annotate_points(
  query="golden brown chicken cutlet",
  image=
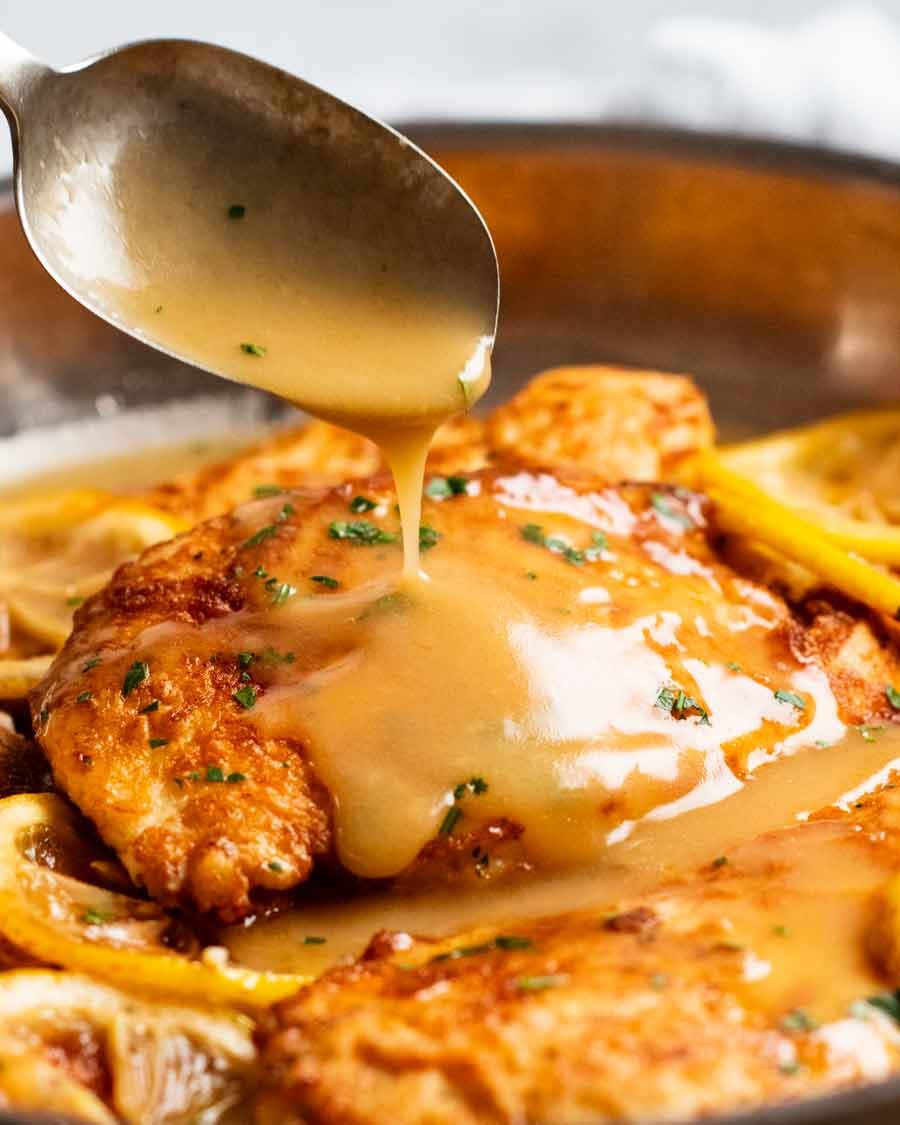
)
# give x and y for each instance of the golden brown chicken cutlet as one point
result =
(147, 714)
(746, 983)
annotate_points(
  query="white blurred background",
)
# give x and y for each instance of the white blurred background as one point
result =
(802, 69)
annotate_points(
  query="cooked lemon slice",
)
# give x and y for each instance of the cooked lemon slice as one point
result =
(50, 909)
(842, 474)
(167, 1063)
(18, 677)
(750, 512)
(57, 550)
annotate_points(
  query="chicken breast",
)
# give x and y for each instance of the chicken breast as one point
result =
(615, 423)
(147, 722)
(715, 994)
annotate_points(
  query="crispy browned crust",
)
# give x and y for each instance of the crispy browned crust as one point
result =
(614, 422)
(645, 1013)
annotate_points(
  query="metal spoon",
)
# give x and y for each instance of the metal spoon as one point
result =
(121, 159)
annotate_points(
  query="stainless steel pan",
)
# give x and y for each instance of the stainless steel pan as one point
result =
(770, 272)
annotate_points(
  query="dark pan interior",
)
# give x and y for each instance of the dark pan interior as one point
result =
(770, 272)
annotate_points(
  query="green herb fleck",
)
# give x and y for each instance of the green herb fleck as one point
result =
(236, 211)
(887, 1002)
(798, 1020)
(313, 939)
(659, 981)
(362, 504)
(533, 533)
(236, 778)
(253, 349)
(789, 1066)
(92, 663)
(781, 931)
(893, 696)
(84, 696)
(868, 732)
(271, 655)
(733, 666)
(244, 659)
(94, 917)
(540, 984)
(261, 490)
(260, 536)
(720, 861)
(428, 537)
(511, 941)
(135, 676)
(452, 817)
(662, 506)
(74, 600)
(150, 708)
(791, 697)
(680, 706)
(282, 592)
(215, 773)
(530, 575)
(155, 743)
(359, 531)
(274, 865)
(325, 580)
(245, 696)
(442, 488)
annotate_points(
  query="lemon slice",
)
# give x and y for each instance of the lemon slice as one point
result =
(841, 474)
(18, 677)
(167, 1063)
(57, 550)
(50, 909)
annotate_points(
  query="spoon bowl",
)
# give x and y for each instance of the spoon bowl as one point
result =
(188, 193)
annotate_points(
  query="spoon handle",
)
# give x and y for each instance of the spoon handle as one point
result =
(18, 72)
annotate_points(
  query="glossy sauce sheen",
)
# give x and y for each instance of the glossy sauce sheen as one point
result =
(544, 678)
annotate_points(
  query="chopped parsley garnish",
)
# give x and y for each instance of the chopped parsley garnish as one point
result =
(887, 1002)
(662, 506)
(313, 939)
(235, 778)
(155, 743)
(893, 696)
(84, 696)
(452, 817)
(733, 666)
(798, 1020)
(244, 659)
(442, 488)
(789, 1066)
(44, 716)
(720, 861)
(428, 537)
(92, 663)
(360, 531)
(539, 984)
(534, 533)
(325, 580)
(236, 211)
(94, 917)
(476, 785)
(214, 773)
(261, 536)
(135, 676)
(868, 732)
(781, 931)
(150, 708)
(253, 349)
(271, 655)
(267, 490)
(361, 504)
(274, 865)
(680, 706)
(245, 696)
(510, 941)
(530, 575)
(791, 697)
(281, 592)
(74, 600)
